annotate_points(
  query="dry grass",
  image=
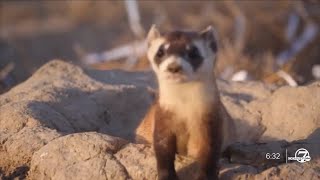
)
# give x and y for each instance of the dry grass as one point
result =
(31, 33)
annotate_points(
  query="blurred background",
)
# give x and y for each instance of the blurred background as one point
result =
(277, 42)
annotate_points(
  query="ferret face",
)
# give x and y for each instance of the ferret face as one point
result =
(180, 56)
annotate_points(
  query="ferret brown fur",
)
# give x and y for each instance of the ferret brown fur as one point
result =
(188, 116)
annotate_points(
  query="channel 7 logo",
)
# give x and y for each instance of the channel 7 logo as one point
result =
(302, 155)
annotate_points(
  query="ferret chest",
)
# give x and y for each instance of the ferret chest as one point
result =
(190, 106)
(188, 102)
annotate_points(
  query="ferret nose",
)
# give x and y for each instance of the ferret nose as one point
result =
(174, 68)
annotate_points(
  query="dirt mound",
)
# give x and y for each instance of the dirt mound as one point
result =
(46, 124)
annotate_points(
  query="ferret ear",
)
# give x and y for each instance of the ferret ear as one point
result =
(153, 34)
(209, 35)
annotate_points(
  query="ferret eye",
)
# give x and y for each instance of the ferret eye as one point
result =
(193, 53)
(160, 52)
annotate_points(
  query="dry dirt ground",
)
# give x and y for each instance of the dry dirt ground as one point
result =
(65, 122)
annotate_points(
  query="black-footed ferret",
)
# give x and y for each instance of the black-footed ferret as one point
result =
(188, 116)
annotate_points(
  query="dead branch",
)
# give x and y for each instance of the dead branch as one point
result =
(292, 27)
(6, 71)
(299, 43)
(130, 51)
(134, 18)
(239, 25)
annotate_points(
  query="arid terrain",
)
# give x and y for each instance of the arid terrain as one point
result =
(64, 118)
(65, 122)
